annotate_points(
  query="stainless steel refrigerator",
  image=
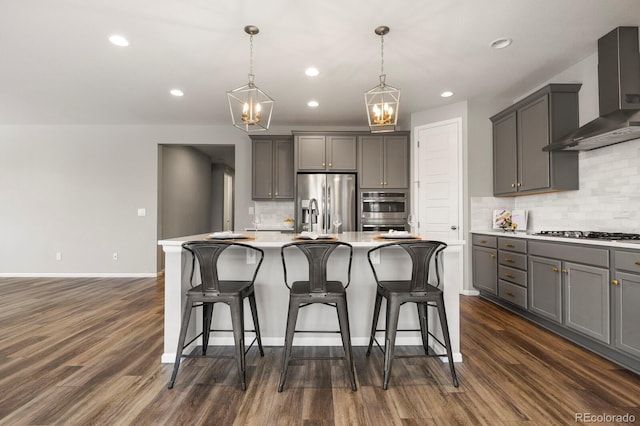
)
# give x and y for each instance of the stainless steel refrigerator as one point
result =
(321, 198)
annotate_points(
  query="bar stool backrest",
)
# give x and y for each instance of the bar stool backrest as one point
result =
(422, 253)
(207, 253)
(317, 254)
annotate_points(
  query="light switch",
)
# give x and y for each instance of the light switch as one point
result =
(142, 212)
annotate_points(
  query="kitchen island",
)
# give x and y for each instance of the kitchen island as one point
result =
(273, 296)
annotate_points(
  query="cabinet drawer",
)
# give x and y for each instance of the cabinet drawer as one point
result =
(627, 260)
(485, 241)
(512, 293)
(515, 276)
(513, 260)
(513, 244)
(571, 252)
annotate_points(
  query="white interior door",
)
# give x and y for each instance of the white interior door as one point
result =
(438, 204)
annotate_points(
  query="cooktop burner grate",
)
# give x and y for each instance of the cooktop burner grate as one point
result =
(592, 235)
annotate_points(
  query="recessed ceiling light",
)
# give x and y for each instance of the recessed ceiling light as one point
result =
(176, 92)
(312, 72)
(446, 94)
(119, 40)
(500, 43)
(313, 104)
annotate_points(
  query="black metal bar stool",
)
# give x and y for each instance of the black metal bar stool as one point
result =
(213, 290)
(313, 291)
(425, 256)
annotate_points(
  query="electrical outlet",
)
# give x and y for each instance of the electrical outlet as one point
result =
(58, 256)
(115, 256)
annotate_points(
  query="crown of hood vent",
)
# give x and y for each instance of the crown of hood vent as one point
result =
(618, 92)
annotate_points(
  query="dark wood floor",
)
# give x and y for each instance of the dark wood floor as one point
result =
(87, 351)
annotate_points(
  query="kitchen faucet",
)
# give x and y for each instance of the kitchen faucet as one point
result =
(313, 213)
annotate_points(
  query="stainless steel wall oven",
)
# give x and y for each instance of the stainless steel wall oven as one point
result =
(383, 211)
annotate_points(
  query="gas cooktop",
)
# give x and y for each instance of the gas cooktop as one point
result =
(593, 235)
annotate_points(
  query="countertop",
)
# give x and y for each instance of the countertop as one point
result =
(277, 239)
(584, 241)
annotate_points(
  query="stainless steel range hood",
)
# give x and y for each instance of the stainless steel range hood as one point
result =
(619, 95)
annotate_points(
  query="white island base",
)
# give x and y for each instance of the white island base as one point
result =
(273, 296)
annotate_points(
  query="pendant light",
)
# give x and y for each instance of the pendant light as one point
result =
(250, 107)
(382, 101)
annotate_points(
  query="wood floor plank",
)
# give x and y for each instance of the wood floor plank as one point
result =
(87, 351)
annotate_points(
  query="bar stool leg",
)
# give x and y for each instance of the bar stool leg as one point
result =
(256, 324)
(237, 322)
(374, 322)
(393, 311)
(288, 341)
(343, 320)
(447, 340)
(207, 315)
(424, 325)
(186, 315)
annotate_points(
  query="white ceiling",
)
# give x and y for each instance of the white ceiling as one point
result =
(57, 66)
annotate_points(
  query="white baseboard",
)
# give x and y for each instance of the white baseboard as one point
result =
(470, 293)
(79, 274)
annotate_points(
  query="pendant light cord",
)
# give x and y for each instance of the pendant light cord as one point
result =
(381, 54)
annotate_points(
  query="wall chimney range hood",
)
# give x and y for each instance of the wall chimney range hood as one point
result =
(618, 92)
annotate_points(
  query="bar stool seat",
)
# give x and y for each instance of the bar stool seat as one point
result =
(213, 290)
(317, 290)
(425, 257)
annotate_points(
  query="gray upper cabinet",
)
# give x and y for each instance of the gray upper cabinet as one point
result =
(522, 130)
(272, 171)
(326, 153)
(384, 161)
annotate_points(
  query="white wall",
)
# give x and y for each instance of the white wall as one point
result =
(77, 189)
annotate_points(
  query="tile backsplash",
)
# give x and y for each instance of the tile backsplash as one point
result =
(608, 198)
(274, 212)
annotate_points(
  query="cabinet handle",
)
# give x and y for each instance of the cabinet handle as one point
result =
(510, 260)
(269, 194)
(513, 185)
(382, 183)
(484, 241)
(493, 256)
(519, 184)
(323, 164)
(555, 269)
(509, 245)
(564, 271)
(508, 293)
(614, 282)
(638, 262)
(509, 275)
(276, 194)
(329, 164)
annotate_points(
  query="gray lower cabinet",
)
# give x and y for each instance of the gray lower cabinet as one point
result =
(485, 263)
(384, 161)
(522, 130)
(272, 167)
(331, 153)
(570, 285)
(626, 301)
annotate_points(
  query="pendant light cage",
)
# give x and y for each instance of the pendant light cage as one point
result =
(383, 101)
(250, 107)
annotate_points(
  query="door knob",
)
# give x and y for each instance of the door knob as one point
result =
(453, 227)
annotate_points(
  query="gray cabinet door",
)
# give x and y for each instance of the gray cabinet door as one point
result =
(262, 169)
(626, 308)
(341, 153)
(311, 153)
(505, 174)
(396, 162)
(283, 174)
(371, 162)
(586, 302)
(485, 269)
(545, 288)
(533, 135)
